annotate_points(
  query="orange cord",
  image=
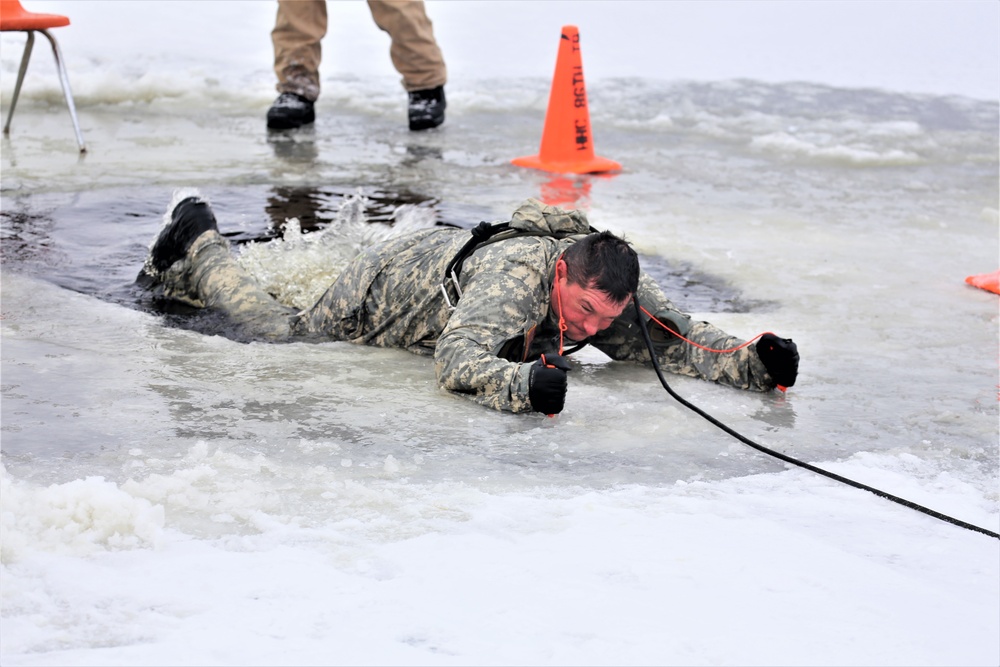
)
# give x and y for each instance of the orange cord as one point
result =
(702, 347)
(563, 327)
(562, 322)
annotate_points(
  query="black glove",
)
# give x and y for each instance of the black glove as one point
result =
(780, 357)
(547, 384)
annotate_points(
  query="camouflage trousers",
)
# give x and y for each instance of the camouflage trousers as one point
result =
(209, 276)
(361, 306)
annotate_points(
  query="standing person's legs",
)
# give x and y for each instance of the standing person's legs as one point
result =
(416, 56)
(299, 28)
(414, 51)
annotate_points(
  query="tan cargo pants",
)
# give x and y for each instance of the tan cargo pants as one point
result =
(301, 25)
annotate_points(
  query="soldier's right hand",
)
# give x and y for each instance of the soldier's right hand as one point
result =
(547, 384)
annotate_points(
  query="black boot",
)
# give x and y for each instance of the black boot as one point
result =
(290, 111)
(191, 218)
(427, 108)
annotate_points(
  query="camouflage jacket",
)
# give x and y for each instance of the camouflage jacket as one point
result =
(391, 296)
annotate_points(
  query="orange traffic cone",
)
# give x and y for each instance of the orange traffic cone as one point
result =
(567, 143)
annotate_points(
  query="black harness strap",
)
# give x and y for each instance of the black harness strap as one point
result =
(481, 233)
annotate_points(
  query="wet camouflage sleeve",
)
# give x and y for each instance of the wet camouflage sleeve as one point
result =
(390, 296)
(506, 289)
(624, 341)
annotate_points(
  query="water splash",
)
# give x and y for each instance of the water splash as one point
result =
(299, 267)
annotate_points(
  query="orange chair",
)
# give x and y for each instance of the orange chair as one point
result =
(14, 17)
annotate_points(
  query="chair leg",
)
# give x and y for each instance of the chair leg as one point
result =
(20, 79)
(64, 80)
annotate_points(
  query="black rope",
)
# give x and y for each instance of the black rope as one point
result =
(788, 459)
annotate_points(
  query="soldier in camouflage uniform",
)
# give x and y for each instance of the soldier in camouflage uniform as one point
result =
(510, 297)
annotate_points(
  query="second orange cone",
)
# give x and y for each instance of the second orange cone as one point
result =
(567, 143)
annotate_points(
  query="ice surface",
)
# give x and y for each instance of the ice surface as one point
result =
(827, 171)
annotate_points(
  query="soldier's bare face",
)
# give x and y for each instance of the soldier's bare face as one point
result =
(585, 310)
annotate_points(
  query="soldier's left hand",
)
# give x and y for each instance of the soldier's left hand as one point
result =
(780, 357)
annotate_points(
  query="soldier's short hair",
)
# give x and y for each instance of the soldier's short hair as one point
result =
(604, 262)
